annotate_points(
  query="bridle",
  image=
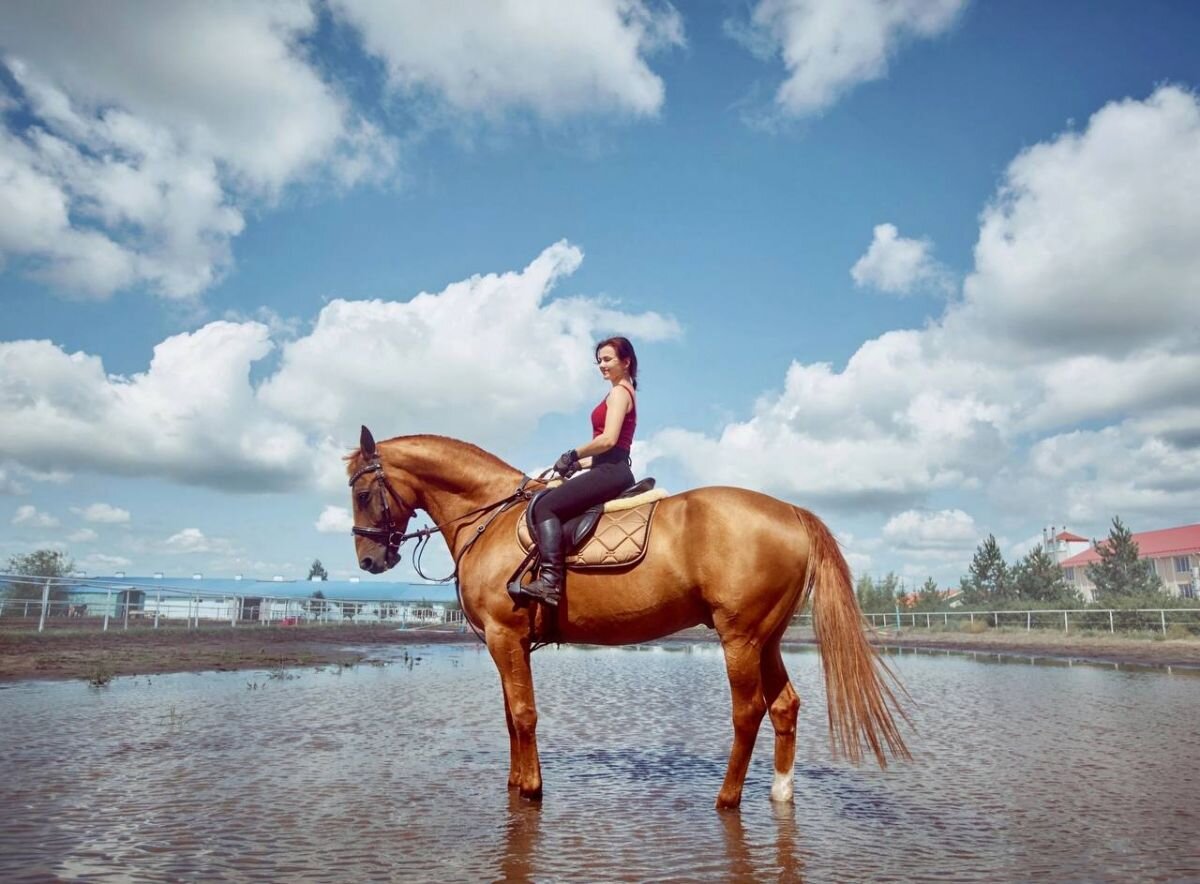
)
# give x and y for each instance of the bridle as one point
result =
(391, 537)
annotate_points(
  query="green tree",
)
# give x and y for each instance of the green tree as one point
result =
(929, 592)
(1038, 578)
(877, 597)
(989, 580)
(40, 563)
(1120, 572)
(864, 591)
(317, 570)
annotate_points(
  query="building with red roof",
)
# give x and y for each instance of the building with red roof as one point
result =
(1174, 552)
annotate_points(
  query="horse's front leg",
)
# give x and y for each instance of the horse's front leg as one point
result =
(510, 652)
(514, 756)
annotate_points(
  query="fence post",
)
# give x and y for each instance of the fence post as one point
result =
(107, 609)
(126, 594)
(45, 604)
(972, 616)
(1028, 620)
(1111, 628)
(157, 608)
(996, 618)
(1066, 625)
(1163, 615)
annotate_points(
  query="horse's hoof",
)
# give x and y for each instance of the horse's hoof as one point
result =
(724, 803)
(531, 794)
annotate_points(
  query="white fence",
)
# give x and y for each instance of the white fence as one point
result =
(98, 603)
(1109, 620)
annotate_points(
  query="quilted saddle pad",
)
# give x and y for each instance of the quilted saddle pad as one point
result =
(620, 539)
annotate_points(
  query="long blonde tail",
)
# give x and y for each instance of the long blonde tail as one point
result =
(860, 698)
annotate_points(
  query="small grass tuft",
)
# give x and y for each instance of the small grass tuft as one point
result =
(101, 675)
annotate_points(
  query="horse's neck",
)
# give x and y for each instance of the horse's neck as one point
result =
(453, 478)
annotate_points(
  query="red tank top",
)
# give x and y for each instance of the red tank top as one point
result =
(600, 415)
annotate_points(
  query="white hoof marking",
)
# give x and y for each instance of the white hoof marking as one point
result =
(782, 787)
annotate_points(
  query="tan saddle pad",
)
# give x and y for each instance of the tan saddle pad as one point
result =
(620, 538)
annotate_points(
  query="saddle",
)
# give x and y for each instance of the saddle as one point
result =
(606, 535)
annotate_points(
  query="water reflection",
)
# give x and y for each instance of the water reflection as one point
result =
(398, 773)
(522, 832)
(781, 857)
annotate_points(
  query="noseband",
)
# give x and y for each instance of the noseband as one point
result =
(390, 534)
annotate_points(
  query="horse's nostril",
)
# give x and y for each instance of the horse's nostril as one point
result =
(366, 563)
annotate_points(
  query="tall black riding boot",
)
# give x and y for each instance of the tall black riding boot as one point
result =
(548, 586)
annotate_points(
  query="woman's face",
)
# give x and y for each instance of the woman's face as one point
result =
(612, 368)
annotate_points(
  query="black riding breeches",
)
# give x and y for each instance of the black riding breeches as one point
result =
(601, 483)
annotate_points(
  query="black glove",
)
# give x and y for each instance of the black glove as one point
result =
(568, 464)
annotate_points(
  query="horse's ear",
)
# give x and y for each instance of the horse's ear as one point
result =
(367, 443)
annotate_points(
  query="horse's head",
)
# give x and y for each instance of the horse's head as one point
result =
(380, 505)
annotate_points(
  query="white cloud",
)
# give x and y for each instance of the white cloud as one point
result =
(1089, 245)
(903, 418)
(30, 516)
(103, 513)
(435, 360)
(334, 520)
(195, 417)
(100, 563)
(193, 540)
(83, 535)
(898, 265)
(135, 164)
(555, 59)
(1118, 470)
(923, 530)
(830, 46)
(1083, 306)
(192, 416)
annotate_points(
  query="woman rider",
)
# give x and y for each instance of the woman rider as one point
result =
(605, 459)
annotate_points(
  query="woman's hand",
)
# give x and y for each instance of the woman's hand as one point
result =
(567, 464)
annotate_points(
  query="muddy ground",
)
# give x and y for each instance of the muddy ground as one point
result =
(89, 654)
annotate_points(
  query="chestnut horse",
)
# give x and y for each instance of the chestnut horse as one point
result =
(737, 561)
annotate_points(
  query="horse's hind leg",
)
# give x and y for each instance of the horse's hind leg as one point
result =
(742, 661)
(784, 706)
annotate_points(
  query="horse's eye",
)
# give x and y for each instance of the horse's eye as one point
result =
(363, 496)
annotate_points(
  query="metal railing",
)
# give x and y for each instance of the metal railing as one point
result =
(125, 605)
(1111, 620)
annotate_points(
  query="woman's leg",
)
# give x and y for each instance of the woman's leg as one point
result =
(601, 483)
(589, 488)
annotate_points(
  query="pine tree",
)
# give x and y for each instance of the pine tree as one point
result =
(1120, 572)
(989, 579)
(1038, 578)
(318, 570)
(929, 591)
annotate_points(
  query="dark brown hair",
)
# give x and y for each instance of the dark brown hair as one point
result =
(624, 351)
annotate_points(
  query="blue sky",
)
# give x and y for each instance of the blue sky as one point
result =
(927, 268)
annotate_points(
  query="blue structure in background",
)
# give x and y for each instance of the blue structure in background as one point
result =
(300, 589)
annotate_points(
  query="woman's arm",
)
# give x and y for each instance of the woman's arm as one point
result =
(619, 402)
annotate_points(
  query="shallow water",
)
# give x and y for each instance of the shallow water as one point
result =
(1023, 772)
